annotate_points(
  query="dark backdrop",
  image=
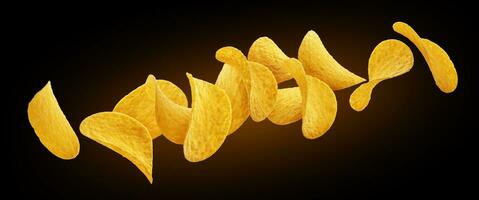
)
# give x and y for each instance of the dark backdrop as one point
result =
(409, 141)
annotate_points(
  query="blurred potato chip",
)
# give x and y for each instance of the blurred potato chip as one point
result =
(319, 104)
(318, 63)
(210, 120)
(389, 59)
(141, 102)
(51, 126)
(287, 108)
(259, 81)
(440, 64)
(266, 52)
(231, 81)
(124, 135)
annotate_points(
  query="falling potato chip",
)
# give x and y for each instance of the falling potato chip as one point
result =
(141, 102)
(51, 125)
(319, 63)
(266, 52)
(259, 81)
(288, 107)
(210, 120)
(440, 64)
(319, 104)
(124, 135)
(390, 58)
(230, 80)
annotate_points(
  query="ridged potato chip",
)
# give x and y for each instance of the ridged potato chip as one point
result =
(210, 120)
(141, 102)
(259, 81)
(51, 126)
(230, 80)
(124, 135)
(288, 107)
(440, 64)
(389, 59)
(319, 104)
(319, 63)
(266, 52)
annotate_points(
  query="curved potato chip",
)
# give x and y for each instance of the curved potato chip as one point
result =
(287, 108)
(266, 52)
(210, 120)
(51, 126)
(172, 119)
(141, 102)
(260, 83)
(230, 80)
(319, 104)
(124, 135)
(440, 64)
(319, 63)
(389, 59)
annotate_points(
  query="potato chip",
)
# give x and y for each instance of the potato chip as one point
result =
(230, 80)
(259, 81)
(389, 59)
(51, 125)
(266, 52)
(141, 102)
(319, 63)
(440, 64)
(124, 135)
(210, 120)
(288, 107)
(319, 104)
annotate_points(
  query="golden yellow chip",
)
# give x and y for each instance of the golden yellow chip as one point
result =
(319, 104)
(319, 63)
(51, 125)
(266, 52)
(389, 59)
(259, 81)
(210, 120)
(141, 102)
(288, 107)
(440, 64)
(124, 135)
(230, 80)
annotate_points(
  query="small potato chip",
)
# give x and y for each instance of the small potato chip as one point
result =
(51, 125)
(230, 80)
(440, 64)
(319, 104)
(172, 119)
(266, 52)
(319, 63)
(210, 120)
(141, 102)
(288, 107)
(259, 82)
(389, 59)
(124, 135)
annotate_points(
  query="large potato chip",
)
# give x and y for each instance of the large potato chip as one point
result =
(210, 120)
(288, 107)
(389, 59)
(51, 125)
(230, 80)
(266, 52)
(319, 104)
(259, 81)
(440, 64)
(319, 63)
(141, 102)
(124, 135)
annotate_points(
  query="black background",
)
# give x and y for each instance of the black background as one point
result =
(411, 140)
